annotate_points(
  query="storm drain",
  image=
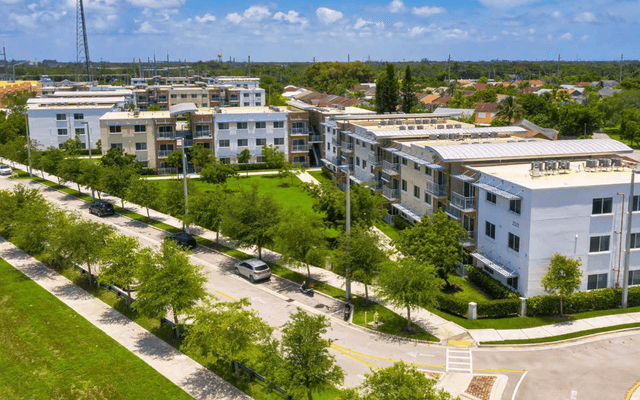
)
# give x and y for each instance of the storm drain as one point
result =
(290, 300)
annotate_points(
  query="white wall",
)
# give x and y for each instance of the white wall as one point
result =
(251, 133)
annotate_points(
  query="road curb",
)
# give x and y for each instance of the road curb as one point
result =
(556, 342)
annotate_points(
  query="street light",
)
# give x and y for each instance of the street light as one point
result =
(181, 144)
(625, 274)
(347, 284)
(26, 125)
(93, 193)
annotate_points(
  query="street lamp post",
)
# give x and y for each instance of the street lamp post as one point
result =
(625, 274)
(93, 192)
(181, 144)
(347, 284)
(26, 125)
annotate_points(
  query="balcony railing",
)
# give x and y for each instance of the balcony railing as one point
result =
(334, 141)
(391, 168)
(166, 136)
(299, 131)
(435, 189)
(233, 98)
(164, 153)
(452, 211)
(299, 148)
(315, 138)
(347, 147)
(203, 135)
(374, 161)
(462, 202)
(391, 194)
(167, 171)
(188, 142)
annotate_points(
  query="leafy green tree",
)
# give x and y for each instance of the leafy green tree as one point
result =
(173, 197)
(121, 259)
(175, 160)
(85, 241)
(359, 257)
(307, 366)
(434, 241)
(272, 157)
(116, 181)
(630, 125)
(217, 172)
(387, 90)
(144, 193)
(290, 170)
(154, 107)
(578, 120)
(243, 158)
(509, 110)
(563, 277)
(70, 170)
(483, 79)
(200, 156)
(300, 239)
(31, 220)
(51, 160)
(169, 282)
(409, 284)
(206, 210)
(91, 176)
(72, 146)
(225, 329)
(408, 92)
(251, 219)
(116, 157)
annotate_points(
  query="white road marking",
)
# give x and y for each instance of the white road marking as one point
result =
(515, 391)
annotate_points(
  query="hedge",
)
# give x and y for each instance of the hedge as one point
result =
(601, 299)
(498, 308)
(489, 285)
(452, 305)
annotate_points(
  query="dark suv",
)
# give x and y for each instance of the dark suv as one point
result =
(101, 208)
(183, 239)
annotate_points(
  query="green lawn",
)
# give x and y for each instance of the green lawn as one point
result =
(48, 351)
(389, 230)
(469, 292)
(320, 176)
(567, 336)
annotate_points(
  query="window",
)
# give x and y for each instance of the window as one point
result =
(260, 159)
(427, 198)
(225, 160)
(635, 241)
(358, 161)
(404, 185)
(364, 164)
(62, 132)
(416, 166)
(194, 96)
(261, 142)
(515, 205)
(79, 131)
(490, 229)
(223, 125)
(634, 278)
(61, 117)
(247, 104)
(204, 96)
(141, 146)
(602, 206)
(116, 145)
(491, 197)
(278, 124)
(597, 281)
(78, 116)
(636, 203)
(416, 192)
(279, 141)
(261, 125)
(598, 244)
(258, 95)
(223, 143)
(513, 282)
(174, 96)
(258, 104)
(183, 96)
(241, 125)
(243, 142)
(115, 129)
(427, 171)
(404, 161)
(245, 95)
(140, 128)
(205, 105)
(514, 242)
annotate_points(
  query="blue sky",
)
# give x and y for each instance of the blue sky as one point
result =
(327, 30)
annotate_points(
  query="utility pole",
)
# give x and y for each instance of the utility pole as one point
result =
(449, 67)
(621, 58)
(621, 233)
(26, 124)
(348, 58)
(558, 74)
(249, 63)
(6, 69)
(347, 285)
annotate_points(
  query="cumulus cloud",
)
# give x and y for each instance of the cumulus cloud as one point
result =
(565, 38)
(556, 14)
(327, 15)
(585, 17)
(234, 17)
(205, 18)
(156, 3)
(427, 11)
(37, 18)
(417, 30)
(293, 17)
(398, 24)
(364, 24)
(147, 28)
(253, 13)
(503, 3)
(397, 6)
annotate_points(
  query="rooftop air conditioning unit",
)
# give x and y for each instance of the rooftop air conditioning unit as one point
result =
(420, 127)
(457, 126)
(494, 134)
(511, 141)
(551, 165)
(440, 127)
(383, 122)
(402, 127)
(605, 162)
(465, 143)
(532, 140)
(616, 162)
(449, 126)
(591, 164)
(418, 121)
(485, 134)
(434, 120)
(443, 136)
(433, 136)
(565, 164)
(411, 127)
(474, 135)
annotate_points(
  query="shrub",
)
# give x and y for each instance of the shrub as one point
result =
(634, 296)
(601, 299)
(543, 305)
(489, 285)
(499, 308)
(400, 223)
(452, 305)
(327, 172)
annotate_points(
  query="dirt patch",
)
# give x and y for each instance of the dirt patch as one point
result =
(433, 375)
(481, 386)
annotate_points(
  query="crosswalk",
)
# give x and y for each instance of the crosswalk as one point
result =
(459, 360)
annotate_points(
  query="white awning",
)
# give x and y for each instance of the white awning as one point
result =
(409, 213)
(415, 159)
(463, 177)
(183, 108)
(497, 192)
(504, 271)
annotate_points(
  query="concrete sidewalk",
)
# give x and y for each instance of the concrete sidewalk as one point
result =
(186, 373)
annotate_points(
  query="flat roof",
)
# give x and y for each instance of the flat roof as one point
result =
(577, 176)
(397, 133)
(81, 101)
(93, 93)
(242, 110)
(466, 141)
(129, 115)
(542, 149)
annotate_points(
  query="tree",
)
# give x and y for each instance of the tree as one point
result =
(408, 92)
(578, 120)
(509, 110)
(434, 241)
(300, 239)
(116, 157)
(70, 170)
(250, 219)
(175, 160)
(116, 181)
(91, 176)
(200, 156)
(563, 277)
(289, 170)
(154, 107)
(225, 329)
(174, 197)
(31, 220)
(307, 366)
(51, 160)
(144, 193)
(85, 241)
(206, 210)
(483, 79)
(409, 284)
(359, 256)
(217, 172)
(272, 157)
(387, 90)
(121, 259)
(398, 381)
(630, 125)
(169, 282)
(243, 158)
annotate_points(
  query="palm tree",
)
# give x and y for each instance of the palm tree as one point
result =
(509, 110)
(563, 97)
(451, 88)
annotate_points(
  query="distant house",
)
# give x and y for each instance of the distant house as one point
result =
(428, 100)
(536, 83)
(480, 86)
(535, 131)
(608, 92)
(485, 113)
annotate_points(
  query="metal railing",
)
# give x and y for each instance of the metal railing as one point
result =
(462, 202)
(203, 135)
(167, 171)
(391, 168)
(299, 147)
(166, 136)
(188, 142)
(315, 138)
(452, 211)
(374, 161)
(436, 189)
(391, 194)
(346, 146)
(299, 131)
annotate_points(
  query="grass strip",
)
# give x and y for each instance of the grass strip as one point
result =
(565, 336)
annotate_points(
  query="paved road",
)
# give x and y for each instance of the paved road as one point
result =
(601, 369)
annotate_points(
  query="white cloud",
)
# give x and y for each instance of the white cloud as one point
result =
(585, 38)
(585, 17)
(205, 18)
(147, 29)
(532, 31)
(292, 17)
(427, 11)
(398, 24)
(234, 17)
(256, 13)
(327, 15)
(556, 14)
(397, 6)
(36, 19)
(455, 34)
(364, 24)
(156, 3)
(417, 30)
(565, 38)
(503, 3)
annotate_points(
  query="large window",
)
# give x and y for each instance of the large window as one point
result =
(79, 131)
(635, 241)
(515, 205)
(243, 142)
(636, 203)
(247, 104)
(404, 185)
(427, 198)
(602, 206)
(490, 229)
(140, 128)
(634, 277)
(61, 117)
(223, 125)
(261, 142)
(116, 145)
(245, 95)
(241, 125)
(278, 124)
(141, 146)
(514, 242)
(78, 116)
(597, 281)
(261, 125)
(223, 143)
(491, 197)
(62, 132)
(598, 244)
(416, 192)
(279, 141)
(115, 129)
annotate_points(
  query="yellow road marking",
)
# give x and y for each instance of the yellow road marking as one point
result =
(519, 371)
(632, 390)
(354, 357)
(226, 295)
(459, 343)
(385, 359)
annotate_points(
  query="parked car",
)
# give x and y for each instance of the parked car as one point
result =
(5, 169)
(101, 208)
(253, 269)
(183, 239)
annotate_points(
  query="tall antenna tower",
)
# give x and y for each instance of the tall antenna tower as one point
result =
(82, 45)
(6, 70)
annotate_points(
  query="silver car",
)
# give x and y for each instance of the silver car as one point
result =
(5, 169)
(253, 269)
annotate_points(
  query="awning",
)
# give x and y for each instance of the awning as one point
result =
(416, 160)
(183, 108)
(363, 139)
(409, 213)
(356, 180)
(463, 178)
(506, 272)
(496, 191)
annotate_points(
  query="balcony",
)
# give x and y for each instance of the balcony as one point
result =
(166, 136)
(461, 202)
(347, 147)
(452, 212)
(164, 153)
(234, 98)
(391, 168)
(374, 161)
(469, 240)
(437, 190)
(299, 132)
(391, 194)
(297, 148)
(203, 135)
(188, 142)
(315, 138)
(167, 171)
(334, 141)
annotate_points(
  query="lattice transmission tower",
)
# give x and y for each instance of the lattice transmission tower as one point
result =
(82, 45)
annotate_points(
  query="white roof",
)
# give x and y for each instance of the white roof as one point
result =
(560, 148)
(93, 93)
(422, 132)
(182, 109)
(75, 101)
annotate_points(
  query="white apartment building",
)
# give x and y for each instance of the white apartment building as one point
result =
(53, 121)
